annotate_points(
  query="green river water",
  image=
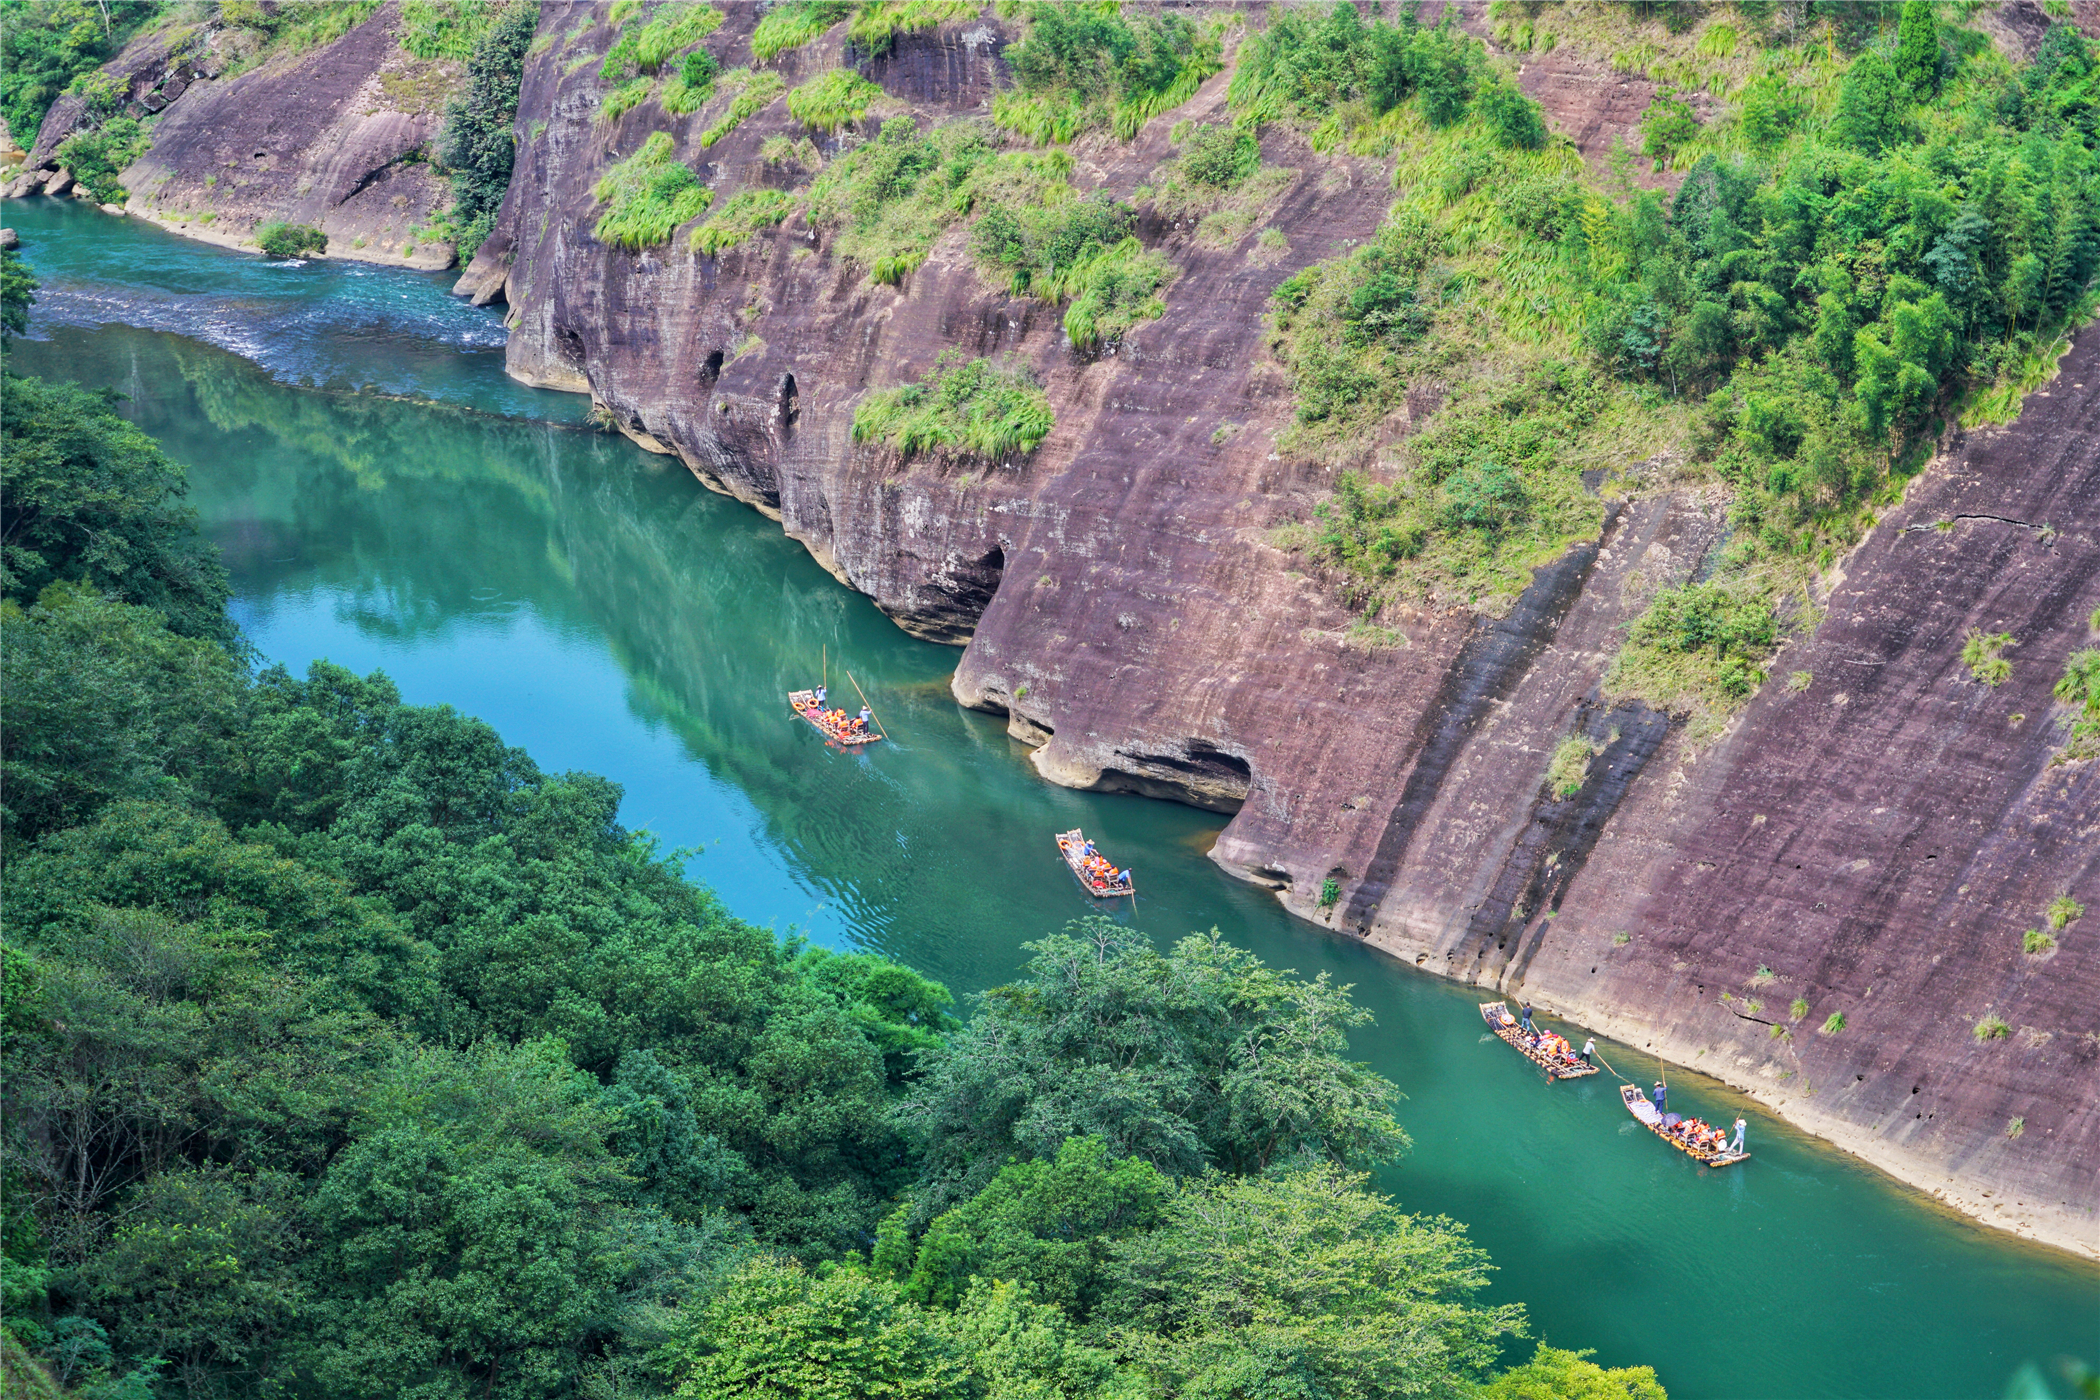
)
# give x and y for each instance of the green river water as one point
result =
(387, 499)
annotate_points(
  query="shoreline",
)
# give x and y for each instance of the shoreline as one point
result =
(2056, 1228)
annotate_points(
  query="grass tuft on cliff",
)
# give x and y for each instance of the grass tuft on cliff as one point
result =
(747, 212)
(887, 202)
(1735, 330)
(830, 100)
(1217, 180)
(794, 24)
(1082, 67)
(1081, 251)
(648, 195)
(755, 91)
(644, 48)
(972, 407)
(877, 23)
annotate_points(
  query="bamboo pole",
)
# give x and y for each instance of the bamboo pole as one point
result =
(871, 709)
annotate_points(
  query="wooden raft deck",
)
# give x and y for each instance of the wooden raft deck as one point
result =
(1069, 845)
(805, 705)
(1505, 1026)
(1644, 1113)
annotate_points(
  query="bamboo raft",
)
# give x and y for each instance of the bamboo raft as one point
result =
(1660, 1124)
(805, 705)
(1070, 845)
(1506, 1027)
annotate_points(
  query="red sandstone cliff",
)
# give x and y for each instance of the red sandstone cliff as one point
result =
(1878, 840)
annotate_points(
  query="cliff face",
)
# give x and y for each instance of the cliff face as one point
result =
(333, 137)
(1877, 841)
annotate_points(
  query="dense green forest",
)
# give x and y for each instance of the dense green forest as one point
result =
(347, 1052)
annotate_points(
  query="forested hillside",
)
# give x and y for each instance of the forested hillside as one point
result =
(347, 1052)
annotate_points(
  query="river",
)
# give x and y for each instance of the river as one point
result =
(386, 498)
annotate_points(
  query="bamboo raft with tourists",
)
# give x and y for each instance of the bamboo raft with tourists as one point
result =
(835, 725)
(1706, 1145)
(1548, 1050)
(1093, 871)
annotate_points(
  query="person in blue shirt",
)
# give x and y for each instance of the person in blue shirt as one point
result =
(1529, 1029)
(1661, 1096)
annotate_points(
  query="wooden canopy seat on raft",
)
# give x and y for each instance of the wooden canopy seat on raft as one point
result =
(1498, 1019)
(1072, 845)
(1660, 1124)
(805, 703)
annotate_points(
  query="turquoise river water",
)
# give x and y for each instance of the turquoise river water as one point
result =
(387, 499)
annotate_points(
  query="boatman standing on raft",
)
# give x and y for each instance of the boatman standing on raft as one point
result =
(1589, 1048)
(1662, 1094)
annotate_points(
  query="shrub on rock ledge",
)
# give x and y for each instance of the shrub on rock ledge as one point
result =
(283, 240)
(976, 407)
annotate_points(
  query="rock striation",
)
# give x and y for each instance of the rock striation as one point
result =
(1871, 840)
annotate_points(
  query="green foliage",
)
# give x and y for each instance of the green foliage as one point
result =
(96, 157)
(1570, 767)
(830, 100)
(1219, 155)
(1086, 66)
(1554, 1374)
(1991, 1028)
(2079, 687)
(17, 293)
(644, 48)
(105, 703)
(1305, 1283)
(1514, 120)
(283, 240)
(754, 93)
(1917, 57)
(647, 195)
(793, 24)
(84, 495)
(46, 44)
(974, 408)
(1699, 650)
(449, 28)
(775, 1329)
(2062, 910)
(1981, 653)
(476, 142)
(746, 213)
(2035, 943)
(1195, 1058)
(1482, 495)
(1834, 1023)
(692, 85)
(671, 28)
(877, 23)
(626, 97)
(1315, 65)
(1049, 1225)
(1667, 127)
(1330, 892)
(1872, 105)
(1798, 1008)
(1078, 249)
